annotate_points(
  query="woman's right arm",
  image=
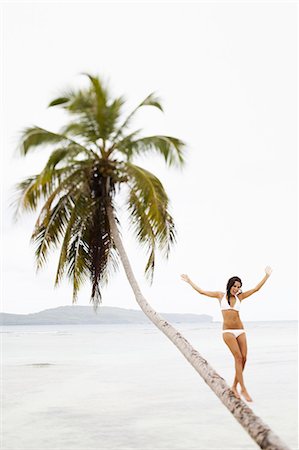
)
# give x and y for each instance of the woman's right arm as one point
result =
(215, 294)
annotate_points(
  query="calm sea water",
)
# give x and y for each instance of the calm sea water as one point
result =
(127, 387)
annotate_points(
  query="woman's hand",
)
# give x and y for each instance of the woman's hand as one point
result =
(185, 278)
(268, 270)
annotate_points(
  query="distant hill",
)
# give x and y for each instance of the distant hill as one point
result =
(75, 314)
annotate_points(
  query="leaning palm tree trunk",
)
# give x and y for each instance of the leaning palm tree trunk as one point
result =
(257, 429)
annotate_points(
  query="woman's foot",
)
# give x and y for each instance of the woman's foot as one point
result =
(246, 395)
(235, 391)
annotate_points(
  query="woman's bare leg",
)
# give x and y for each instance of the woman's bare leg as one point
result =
(242, 342)
(233, 345)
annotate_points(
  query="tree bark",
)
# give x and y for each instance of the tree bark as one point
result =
(256, 428)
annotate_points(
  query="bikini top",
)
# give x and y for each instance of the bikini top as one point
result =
(224, 305)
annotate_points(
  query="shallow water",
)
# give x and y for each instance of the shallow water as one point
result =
(127, 387)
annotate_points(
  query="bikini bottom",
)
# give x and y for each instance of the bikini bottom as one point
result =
(236, 333)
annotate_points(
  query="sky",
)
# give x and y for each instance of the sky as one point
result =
(227, 76)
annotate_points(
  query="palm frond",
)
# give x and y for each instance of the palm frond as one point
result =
(143, 229)
(96, 115)
(55, 219)
(148, 205)
(112, 116)
(150, 100)
(74, 101)
(85, 129)
(99, 89)
(33, 137)
(70, 185)
(78, 257)
(67, 155)
(123, 143)
(47, 234)
(59, 101)
(169, 147)
(81, 103)
(107, 113)
(21, 201)
(79, 215)
(50, 181)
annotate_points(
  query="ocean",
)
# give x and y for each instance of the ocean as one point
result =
(127, 387)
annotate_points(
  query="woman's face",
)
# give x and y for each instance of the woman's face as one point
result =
(235, 288)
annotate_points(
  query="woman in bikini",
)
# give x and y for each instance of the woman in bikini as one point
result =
(233, 331)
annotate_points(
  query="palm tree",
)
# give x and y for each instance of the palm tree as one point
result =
(92, 159)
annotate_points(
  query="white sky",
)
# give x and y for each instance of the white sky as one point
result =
(227, 75)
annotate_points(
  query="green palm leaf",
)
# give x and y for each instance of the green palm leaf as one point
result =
(143, 230)
(48, 233)
(33, 137)
(150, 100)
(46, 185)
(169, 147)
(59, 101)
(79, 214)
(148, 204)
(78, 258)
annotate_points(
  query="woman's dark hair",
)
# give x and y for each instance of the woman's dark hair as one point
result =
(230, 284)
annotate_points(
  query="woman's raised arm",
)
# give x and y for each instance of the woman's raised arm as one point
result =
(246, 294)
(215, 294)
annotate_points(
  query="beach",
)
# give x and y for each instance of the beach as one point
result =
(127, 387)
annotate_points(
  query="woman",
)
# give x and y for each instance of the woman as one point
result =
(233, 331)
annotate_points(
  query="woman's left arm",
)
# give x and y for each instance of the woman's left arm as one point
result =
(246, 294)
